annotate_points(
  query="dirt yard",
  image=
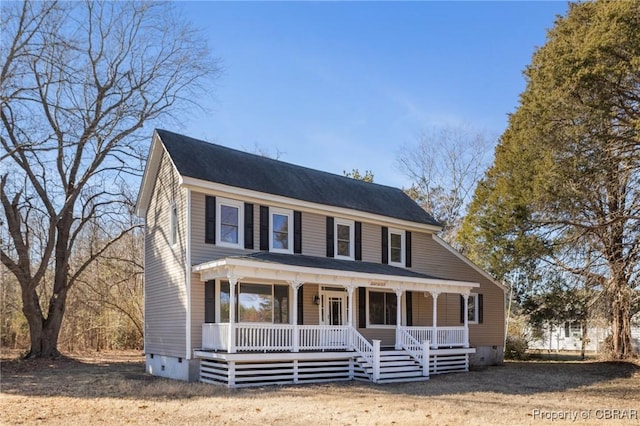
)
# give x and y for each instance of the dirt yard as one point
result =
(113, 389)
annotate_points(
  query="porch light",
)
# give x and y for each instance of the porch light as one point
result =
(316, 299)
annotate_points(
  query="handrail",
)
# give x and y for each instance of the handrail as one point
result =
(410, 344)
(361, 345)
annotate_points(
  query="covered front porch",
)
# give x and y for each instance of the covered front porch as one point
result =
(276, 304)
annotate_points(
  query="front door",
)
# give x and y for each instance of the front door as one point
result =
(334, 313)
(335, 308)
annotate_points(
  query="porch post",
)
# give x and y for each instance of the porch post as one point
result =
(465, 337)
(233, 280)
(350, 320)
(295, 340)
(399, 292)
(434, 321)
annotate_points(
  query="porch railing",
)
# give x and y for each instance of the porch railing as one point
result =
(444, 336)
(264, 337)
(318, 337)
(419, 351)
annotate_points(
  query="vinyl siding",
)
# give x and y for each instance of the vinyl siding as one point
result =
(431, 258)
(197, 310)
(310, 311)
(165, 288)
(314, 237)
(371, 243)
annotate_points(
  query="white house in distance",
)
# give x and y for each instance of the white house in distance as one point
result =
(259, 272)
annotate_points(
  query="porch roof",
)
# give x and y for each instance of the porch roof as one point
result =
(325, 270)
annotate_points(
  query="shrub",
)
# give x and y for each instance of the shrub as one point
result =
(516, 347)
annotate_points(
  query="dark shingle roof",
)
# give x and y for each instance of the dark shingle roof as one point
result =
(215, 163)
(333, 264)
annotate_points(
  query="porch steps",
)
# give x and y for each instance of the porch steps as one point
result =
(395, 366)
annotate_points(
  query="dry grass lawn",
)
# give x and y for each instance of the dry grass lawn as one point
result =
(113, 389)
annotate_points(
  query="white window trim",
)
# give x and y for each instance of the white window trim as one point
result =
(402, 234)
(289, 214)
(229, 203)
(379, 290)
(352, 225)
(473, 296)
(173, 224)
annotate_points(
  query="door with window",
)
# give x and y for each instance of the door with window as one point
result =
(334, 312)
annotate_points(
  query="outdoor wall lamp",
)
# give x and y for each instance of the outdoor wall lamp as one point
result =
(316, 299)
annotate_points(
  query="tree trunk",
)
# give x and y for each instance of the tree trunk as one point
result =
(585, 336)
(621, 321)
(44, 333)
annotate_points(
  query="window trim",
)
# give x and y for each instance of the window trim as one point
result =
(383, 326)
(290, 231)
(352, 237)
(403, 254)
(235, 204)
(173, 224)
(476, 311)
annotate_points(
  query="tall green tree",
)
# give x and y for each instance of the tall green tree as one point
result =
(564, 190)
(78, 81)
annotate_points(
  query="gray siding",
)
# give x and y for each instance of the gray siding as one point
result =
(165, 287)
(371, 243)
(314, 234)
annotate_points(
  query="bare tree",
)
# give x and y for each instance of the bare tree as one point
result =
(78, 81)
(445, 166)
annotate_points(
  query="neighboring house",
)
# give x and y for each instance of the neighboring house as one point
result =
(568, 336)
(258, 272)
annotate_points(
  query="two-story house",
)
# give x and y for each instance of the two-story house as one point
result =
(258, 271)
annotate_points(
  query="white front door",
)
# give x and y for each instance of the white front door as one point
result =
(335, 308)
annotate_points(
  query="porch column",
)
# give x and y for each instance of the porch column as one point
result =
(233, 280)
(434, 322)
(399, 292)
(350, 319)
(295, 339)
(465, 337)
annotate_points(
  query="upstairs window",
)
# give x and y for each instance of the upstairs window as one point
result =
(344, 241)
(396, 247)
(230, 232)
(281, 230)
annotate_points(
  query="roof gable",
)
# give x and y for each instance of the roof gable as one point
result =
(210, 162)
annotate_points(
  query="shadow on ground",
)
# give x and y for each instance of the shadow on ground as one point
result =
(104, 378)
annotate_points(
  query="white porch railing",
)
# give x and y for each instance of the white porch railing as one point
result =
(444, 336)
(321, 337)
(264, 337)
(418, 350)
(215, 336)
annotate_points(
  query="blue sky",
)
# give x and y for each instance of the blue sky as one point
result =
(342, 85)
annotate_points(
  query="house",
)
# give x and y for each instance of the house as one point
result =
(260, 272)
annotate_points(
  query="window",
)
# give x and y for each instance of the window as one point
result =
(383, 308)
(174, 224)
(344, 241)
(396, 247)
(267, 303)
(280, 230)
(230, 227)
(472, 309)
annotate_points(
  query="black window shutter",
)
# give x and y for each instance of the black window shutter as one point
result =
(329, 236)
(362, 307)
(300, 305)
(358, 242)
(480, 309)
(210, 219)
(462, 309)
(409, 303)
(248, 226)
(407, 251)
(297, 232)
(210, 301)
(385, 245)
(264, 228)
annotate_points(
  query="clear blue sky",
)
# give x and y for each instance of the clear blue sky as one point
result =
(342, 85)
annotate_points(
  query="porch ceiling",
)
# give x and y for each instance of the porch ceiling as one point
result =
(309, 269)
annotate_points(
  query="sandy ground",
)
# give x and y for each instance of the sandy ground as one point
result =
(112, 388)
